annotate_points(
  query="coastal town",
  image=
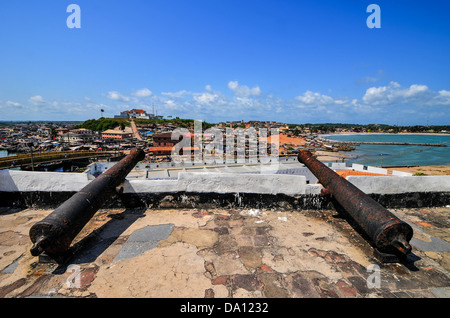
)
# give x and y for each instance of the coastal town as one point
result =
(136, 128)
(220, 156)
(219, 231)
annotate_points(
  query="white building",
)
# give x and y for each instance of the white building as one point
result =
(135, 113)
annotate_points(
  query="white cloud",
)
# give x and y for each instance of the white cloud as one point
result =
(176, 94)
(145, 92)
(246, 102)
(117, 96)
(394, 94)
(340, 101)
(233, 85)
(414, 90)
(172, 105)
(443, 98)
(10, 103)
(36, 100)
(377, 103)
(310, 98)
(243, 90)
(358, 108)
(206, 98)
(444, 93)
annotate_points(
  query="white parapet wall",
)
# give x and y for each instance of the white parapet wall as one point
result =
(338, 165)
(377, 170)
(224, 183)
(26, 181)
(204, 182)
(393, 185)
(247, 183)
(150, 186)
(401, 173)
(358, 167)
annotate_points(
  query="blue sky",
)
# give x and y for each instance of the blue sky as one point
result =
(217, 60)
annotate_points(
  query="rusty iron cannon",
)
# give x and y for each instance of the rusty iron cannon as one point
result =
(389, 234)
(54, 234)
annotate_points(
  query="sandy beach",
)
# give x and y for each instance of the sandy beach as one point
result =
(329, 156)
(426, 170)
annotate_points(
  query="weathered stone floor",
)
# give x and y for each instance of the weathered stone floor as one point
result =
(191, 253)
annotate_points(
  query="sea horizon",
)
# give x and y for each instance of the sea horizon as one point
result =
(396, 155)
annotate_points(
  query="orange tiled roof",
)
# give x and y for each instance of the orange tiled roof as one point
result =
(346, 173)
(140, 111)
(284, 139)
(160, 149)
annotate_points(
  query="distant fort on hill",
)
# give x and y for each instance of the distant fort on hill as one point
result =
(137, 114)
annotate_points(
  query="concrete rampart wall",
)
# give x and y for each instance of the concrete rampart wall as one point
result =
(25, 181)
(223, 183)
(153, 186)
(338, 165)
(391, 185)
(310, 178)
(377, 170)
(401, 173)
(208, 190)
(358, 167)
(248, 183)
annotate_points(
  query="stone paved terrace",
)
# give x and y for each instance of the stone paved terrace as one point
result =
(220, 253)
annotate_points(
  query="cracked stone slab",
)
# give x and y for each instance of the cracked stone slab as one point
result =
(11, 268)
(143, 240)
(436, 245)
(441, 292)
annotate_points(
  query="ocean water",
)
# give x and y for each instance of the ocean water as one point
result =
(396, 155)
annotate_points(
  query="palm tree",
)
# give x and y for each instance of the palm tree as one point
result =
(102, 111)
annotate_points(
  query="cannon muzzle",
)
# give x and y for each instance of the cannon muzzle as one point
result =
(389, 234)
(55, 233)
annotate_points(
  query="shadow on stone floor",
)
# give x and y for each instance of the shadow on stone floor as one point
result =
(92, 246)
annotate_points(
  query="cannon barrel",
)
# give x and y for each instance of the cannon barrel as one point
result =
(389, 234)
(55, 233)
